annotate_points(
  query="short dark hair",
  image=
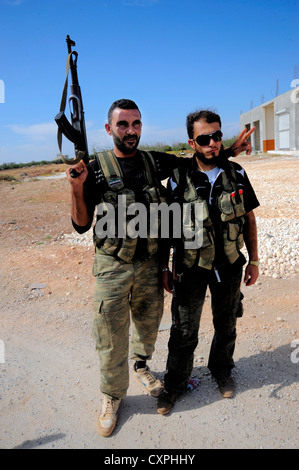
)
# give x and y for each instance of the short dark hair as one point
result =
(122, 104)
(204, 114)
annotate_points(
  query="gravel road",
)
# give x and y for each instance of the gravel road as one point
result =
(49, 395)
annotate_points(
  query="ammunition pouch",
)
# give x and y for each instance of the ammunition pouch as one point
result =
(124, 247)
(231, 208)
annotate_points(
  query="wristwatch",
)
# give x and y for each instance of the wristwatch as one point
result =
(255, 263)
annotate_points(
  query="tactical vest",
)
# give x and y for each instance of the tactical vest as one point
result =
(153, 192)
(231, 213)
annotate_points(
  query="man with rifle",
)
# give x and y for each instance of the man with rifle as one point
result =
(127, 270)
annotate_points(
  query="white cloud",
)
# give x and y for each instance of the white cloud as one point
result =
(39, 142)
(24, 153)
(35, 131)
(13, 2)
(98, 138)
(30, 143)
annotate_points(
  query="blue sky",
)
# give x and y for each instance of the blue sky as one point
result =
(170, 56)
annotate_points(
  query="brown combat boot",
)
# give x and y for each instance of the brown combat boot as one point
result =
(153, 386)
(108, 417)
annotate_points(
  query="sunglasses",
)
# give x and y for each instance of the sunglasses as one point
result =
(204, 139)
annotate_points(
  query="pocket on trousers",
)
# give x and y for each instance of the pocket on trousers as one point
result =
(111, 322)
(100, 330)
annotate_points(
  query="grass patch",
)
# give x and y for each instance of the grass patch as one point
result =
(8, 178)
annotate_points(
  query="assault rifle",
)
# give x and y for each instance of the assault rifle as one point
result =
(75, 131)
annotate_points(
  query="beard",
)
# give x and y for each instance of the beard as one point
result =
(207, 161)
(123, 146)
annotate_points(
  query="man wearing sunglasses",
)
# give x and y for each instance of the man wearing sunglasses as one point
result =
(222, 190)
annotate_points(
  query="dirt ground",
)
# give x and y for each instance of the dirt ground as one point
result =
(49, 395)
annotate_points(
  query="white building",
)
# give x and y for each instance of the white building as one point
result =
(277, 124)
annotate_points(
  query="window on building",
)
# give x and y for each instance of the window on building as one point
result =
(284, 131)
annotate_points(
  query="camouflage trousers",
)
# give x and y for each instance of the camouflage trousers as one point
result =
(187, 305)
(121, 288)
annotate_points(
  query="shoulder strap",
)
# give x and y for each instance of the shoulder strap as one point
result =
(150, 168)
(176, 175)
(179, 177)
(111, 170)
